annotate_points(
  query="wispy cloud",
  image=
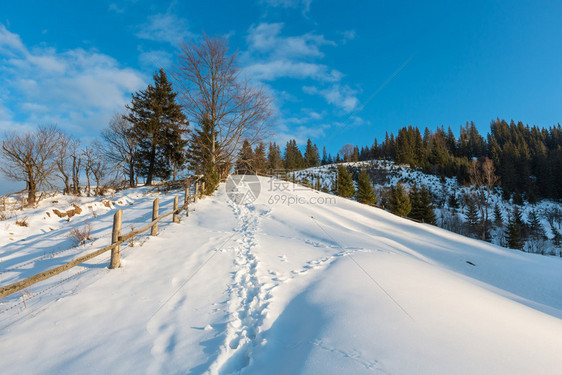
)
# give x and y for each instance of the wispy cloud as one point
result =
(303, 4)
(165, 27)
(77, 89)
(271, 55)
(343, 97)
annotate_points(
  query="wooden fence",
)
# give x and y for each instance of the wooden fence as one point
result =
(116, 239)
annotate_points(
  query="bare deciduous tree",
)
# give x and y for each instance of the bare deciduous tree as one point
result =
(68, 148)
(30, 157)
(483, 177)
(212, 89)
(119, 146)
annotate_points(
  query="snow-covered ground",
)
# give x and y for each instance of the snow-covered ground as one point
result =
(441, 189)
(276, 287)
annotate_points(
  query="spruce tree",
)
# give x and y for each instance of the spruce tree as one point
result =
(344, 185)
(422, 205)
(536, 230)
(365, 190)
(260, 162)
(399, 203)
(453, 203)
(472, 216)
(274, 157)
(311, 157)
(498, 217)
(513, 232)
(159, 125)
(244, 163)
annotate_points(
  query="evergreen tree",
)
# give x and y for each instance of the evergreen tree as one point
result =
(513, 233)
(260, 161)
(399, 203)
(244, 164)
(324, 156)
(498, 217)
(536, 230)
(311, 157)
(355, 154)
(159, 126)
(344, 184)
(293, 158)
(472, 215)
(422, 206)
(453, 202)
(200, 142)
(275, 162)
(365, 190)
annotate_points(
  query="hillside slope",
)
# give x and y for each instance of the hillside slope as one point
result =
(278, 288)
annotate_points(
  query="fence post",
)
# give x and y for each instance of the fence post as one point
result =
(154, 230)
(196, 191)
(202, 188)
(115, 252)
(175, 215)
(187, 187)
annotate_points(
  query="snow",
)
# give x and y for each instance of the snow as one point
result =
(441, 189)
(282, 289)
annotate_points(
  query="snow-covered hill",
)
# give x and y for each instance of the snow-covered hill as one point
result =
(387, 174)
(322, 286)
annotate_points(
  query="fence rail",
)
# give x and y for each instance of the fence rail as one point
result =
(116, 241)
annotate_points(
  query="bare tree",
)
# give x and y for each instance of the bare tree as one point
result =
(30, 157)
(483, 177)
(76, 158)
(346, 151)
(68, 147)
(212, 90)
(119, 146)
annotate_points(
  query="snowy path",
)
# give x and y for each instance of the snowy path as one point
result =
(307, 289)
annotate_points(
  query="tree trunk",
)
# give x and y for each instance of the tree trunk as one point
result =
(88, 183)
(151, 166)
(131, 172)
(31, 192)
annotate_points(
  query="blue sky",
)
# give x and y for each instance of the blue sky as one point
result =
(340, 72)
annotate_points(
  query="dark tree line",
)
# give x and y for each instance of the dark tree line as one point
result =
(528, 160)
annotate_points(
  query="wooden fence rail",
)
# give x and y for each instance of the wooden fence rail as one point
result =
(116, 241)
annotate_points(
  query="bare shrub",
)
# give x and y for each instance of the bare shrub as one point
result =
(81, 235)
(23, 222)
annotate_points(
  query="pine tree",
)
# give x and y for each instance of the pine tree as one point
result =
(453, 202)
(498, 217)
(513, 231)
(344, 185)
(199, 146)
(260, 162)
(365, 190)
(536, 230)
(293, 158)
(399, 203)
(311, 157)
(422, 205)
(472, 216)
(244, 163)
(159, 126)
(274, 157)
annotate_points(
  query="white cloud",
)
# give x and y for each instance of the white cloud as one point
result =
(165, 27)
(266, 38)
(271, 56)
(305, 4)
(343, 97)
(155, 59)
(76, 89)
(272, 70)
